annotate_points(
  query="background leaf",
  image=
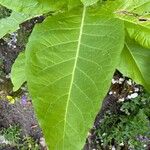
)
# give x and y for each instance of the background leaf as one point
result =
(34, 7)
(18, 72)
(71, 59)
(11, 24)
(135, 63)
(139, 32)
(135, 6)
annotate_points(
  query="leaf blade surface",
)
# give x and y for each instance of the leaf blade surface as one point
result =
(135, 63)
(67, 72)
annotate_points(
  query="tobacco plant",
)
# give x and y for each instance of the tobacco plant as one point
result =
(72, 55)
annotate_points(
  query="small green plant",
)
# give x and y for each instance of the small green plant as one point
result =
(13, 137)
(29, 144)
(129, 127)
(11, 134)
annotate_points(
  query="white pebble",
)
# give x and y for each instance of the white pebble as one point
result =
(134, 95)
(129, 97)
(42, 142)
(121, 80)
(1, 80)
(113, 148)
(121, 144)
(129, 82)
(136, 89)
(110, 93)
(14, 46)
(144, 145)
(113, 81)
(121, 99)
(7, 76)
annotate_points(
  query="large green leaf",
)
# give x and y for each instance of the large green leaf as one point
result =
(71, 59)
(18, 72)
(11, 24)
(135, 63)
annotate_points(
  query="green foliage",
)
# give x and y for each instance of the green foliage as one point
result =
(135, 63)
(32, 6)
(140, 33)
(29, 144)
(67, 59)
(71, 58)
(18, 72)
(13, 136)
(127, 127)
(137, 20)
(11, 24)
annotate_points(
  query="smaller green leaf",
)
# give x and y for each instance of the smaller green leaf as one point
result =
(89, 2)
(18, 72)
(135, 63)
(139, 32)
(34, 7)
(11, 24)
(135, 6)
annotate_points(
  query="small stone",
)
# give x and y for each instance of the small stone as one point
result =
(144, 145)
(3, 140)
(113, 81)
(7, 76)
(121, 99)
(121, 144)
(42, 142)
(129, 97)
(1, 80)
(113, 148)
(121, 80)
(110, 93)
(14, 46)
(136, 89)
(134, 95)
(129, 82)
(114, 92)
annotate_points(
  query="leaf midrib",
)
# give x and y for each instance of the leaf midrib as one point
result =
(73, 72)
